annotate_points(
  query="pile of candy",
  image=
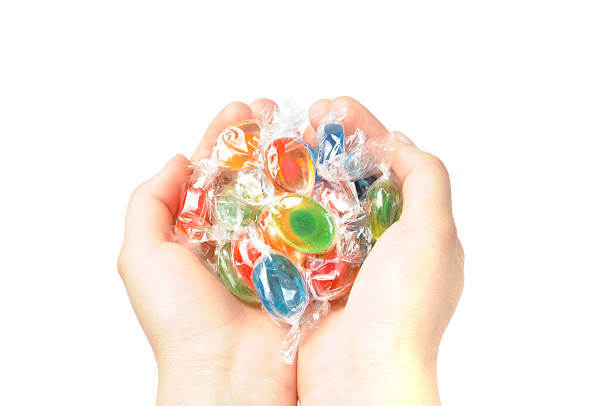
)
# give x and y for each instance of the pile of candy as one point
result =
(284, 223)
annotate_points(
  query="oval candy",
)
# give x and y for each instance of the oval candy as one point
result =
(331, 274)
(254, 187)
(385, 202)
(244, 256)
(288, 162)
(237, 144)
(303, 224)
(272, 238)
(280, 287)
(231, 212)
(331, 142)
(340, 199)
(230, 278)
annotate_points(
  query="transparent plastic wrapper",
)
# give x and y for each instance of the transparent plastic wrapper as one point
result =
(287, 159)
(362, 158)
(285, 224)
(194, 214)
(237, 145)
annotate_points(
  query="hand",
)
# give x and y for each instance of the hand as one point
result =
(210, 348)
(381, 348)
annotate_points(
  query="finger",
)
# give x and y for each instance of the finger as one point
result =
(263, 109)
(233, 112)
(425, 183)
(317, 111)
(310, 135)
(355, 115)
(151, 210)
(424, 178)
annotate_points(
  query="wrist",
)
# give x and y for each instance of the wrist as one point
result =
(389, 375)
(187, 386)
(404, 379)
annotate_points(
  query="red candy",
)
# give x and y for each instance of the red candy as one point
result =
(244, 257)
(332, 274)
(289, 165)
(194, 211)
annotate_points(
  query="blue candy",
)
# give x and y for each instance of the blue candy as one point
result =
(331, 143)
(280, 286)
(362, 185)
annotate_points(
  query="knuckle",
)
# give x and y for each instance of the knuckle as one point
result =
(138, 192)
(460, 253)
(435, 164)
(444, 234)
(121, 262)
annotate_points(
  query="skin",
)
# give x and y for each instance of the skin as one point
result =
(379, 347)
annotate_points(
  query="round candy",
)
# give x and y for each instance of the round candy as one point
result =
(303, 224)
(236, 146)
(230, 278)
(254, 187)
(244, 256)
(230, 212)
(339, 198)
(289, 164)
(331, 275)
(280, 287)
(385, 202)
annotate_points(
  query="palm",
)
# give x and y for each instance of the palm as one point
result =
(351, 324)
(193, 323)
(404, 294)
(217, 329)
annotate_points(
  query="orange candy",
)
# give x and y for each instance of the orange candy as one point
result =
(236, 146)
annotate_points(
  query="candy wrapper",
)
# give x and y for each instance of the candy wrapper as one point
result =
(286, 224)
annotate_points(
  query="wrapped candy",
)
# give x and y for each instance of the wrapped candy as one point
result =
(245, 254)
(229, 211)
(230, 277)
(285, 223)
(254, 187)
(237, 144)
(385, 203)
(331, 140)
(280, 286)
(194, 215)
(288, 162)
(303, 224)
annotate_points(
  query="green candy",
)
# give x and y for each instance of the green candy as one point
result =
(385, 202)
(304, 224)
(230, 277)
(230, 212)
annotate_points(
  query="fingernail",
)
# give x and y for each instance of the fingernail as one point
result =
(401, 137)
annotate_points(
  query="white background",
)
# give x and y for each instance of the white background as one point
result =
(515, 97)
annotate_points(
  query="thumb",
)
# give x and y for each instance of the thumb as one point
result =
(425, 184)
(153, 204)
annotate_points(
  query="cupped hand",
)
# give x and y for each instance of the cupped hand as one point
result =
(381, 346)
(210, 348)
